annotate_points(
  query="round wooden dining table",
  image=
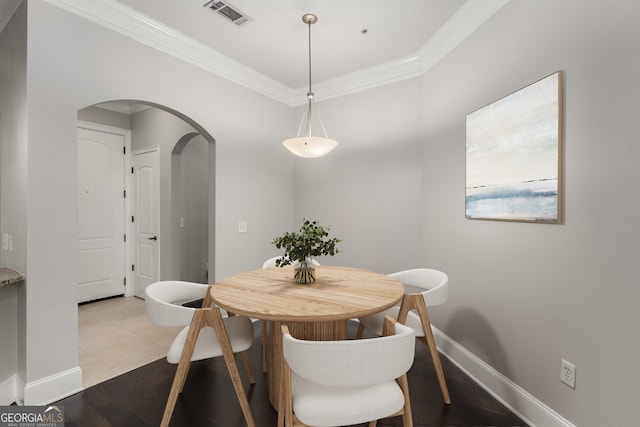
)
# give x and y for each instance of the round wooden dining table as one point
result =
(316, 311)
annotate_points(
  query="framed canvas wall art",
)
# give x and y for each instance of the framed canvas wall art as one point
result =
(513, 156)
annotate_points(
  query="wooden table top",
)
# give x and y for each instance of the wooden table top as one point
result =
(338, 293)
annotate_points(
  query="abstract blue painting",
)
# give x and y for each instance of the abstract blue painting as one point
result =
(513, 155)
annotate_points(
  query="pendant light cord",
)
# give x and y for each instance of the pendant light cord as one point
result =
(310, 19)
(310, 93)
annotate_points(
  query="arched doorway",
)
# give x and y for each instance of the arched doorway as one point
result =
(179, 141)
(173, 134)
(190, 184)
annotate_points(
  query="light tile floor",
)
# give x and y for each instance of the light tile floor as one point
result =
(115, 337)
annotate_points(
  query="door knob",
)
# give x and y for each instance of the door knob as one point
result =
(152, 238)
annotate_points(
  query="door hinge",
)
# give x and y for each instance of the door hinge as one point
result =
(132, 218)
(125, 237)
(125, 281)
(124, 193)
(131, 169)
(133, 267)
(124, 150)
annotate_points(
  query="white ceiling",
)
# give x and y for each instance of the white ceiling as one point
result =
(270, 54)
(275, 43)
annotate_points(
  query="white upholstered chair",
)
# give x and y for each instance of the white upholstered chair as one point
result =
(270, 263)
(337, 383)
(206, 334)
(423, 287)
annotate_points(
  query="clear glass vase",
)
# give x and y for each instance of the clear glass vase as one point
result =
(305, 271)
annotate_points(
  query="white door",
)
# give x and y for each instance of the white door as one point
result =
(101, 214)
(146, 220)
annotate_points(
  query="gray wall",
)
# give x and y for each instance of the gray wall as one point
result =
(263, 198)
(194, 209)
(105, 117)
(368, 190)
(13, 186)
(75, 63)
(522, 296)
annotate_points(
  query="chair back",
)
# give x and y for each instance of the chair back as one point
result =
(271, 262)
(352, 362)
(432, 284)
(164, 301)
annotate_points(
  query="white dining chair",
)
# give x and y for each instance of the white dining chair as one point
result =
(270, 263)
(423, 287)
(339, 383)
(206, 334)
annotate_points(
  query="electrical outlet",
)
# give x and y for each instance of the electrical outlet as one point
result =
(568, 373)
(242, 226)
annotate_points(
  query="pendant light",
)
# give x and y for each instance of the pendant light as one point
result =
(307, 145)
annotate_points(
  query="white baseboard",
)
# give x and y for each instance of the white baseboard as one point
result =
(53, 387)
(8, 391)
(12, 390)
(19, 390)
(523, 404)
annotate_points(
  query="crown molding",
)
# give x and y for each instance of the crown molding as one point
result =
(471, 16)
(368, 78)
(7, 9)
(137, 26)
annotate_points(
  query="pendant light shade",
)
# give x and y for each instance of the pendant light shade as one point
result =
(306, 145)
(310, 146)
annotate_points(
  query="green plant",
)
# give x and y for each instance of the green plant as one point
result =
(312, 240)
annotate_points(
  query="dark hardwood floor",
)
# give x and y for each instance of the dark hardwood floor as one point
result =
(137, 398)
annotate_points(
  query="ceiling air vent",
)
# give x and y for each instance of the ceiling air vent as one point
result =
(229, 12)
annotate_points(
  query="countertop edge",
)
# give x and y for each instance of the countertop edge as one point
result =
(9, 276)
